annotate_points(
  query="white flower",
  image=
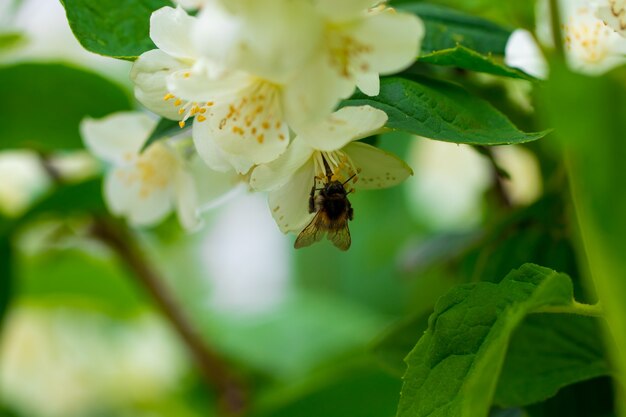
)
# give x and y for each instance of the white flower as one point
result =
(591, 46)
(239, 118)
(316, 50)
(145, 187)
(289, 178)
(272, 39)
(363, 41)
(522, 52)
(613, 13)
(240, 122)
(169, 31)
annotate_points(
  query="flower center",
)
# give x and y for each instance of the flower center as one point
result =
(256, 112)
(589, 39)
(341, 167)
(189, 108)
(346, 52)
(153, 170)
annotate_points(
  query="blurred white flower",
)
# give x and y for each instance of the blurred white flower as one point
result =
(330, 145)
(145, 186)
(525, 184)
(591, 46)
(522, 52)
(23, 179)
(450, 181)
(272, 39)
(68, 363)
(261, 282)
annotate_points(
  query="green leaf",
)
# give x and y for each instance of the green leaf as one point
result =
(593, 398)
(164, 129)
(548, 352)
(6, 275)
(392, 347)
(453, 370)
(463, 41)
(462, 57)
(47, 103)
(588, 116)
(119, 29)
(545, 354)
(442, 111)
(446, 28)
(340, 395)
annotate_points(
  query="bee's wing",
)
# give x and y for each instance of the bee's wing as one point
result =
(340, 236)
(310, 234)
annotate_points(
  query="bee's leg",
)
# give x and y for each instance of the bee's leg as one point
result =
(350, 211)
(312, 198)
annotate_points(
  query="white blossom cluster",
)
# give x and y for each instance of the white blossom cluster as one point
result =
(259, 80)
(594, 37)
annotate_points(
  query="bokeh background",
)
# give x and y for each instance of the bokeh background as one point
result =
(305, 328)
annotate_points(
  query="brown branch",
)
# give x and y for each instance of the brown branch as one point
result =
(230, 390)
(499, 175)
(53, 173)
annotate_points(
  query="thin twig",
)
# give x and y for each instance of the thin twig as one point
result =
(499, 176)
(230, 390)
(53, 173)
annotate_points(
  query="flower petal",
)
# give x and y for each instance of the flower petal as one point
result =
(220, 27)
(314, 93)
(200, 86)
(248, 128)
(522, 52)
(368, 83)
(187, 201)
(278, 172)
(277, 38)
(379, 169)
(393, 40)
(118, 137)
(124, 198)
(149, 73)
(212, 185)
(170, 32)
(208, 150)
(117, 193)
(149, 210)
(343, 10)
(290, 203)
(344, 126)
